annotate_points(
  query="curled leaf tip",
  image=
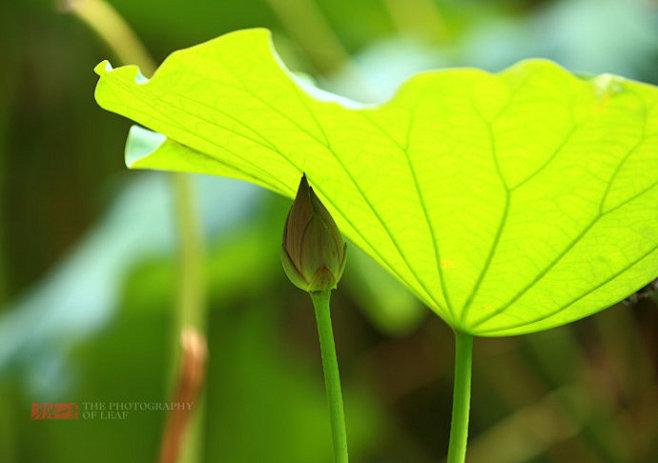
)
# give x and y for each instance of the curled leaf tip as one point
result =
(103, 67)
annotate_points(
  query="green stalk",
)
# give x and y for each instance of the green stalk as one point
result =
(461, 399)
(192, 288)
(191, 307)
(305, 22)
(331, 374)
(103, 19)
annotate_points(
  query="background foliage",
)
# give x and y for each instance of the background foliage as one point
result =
(88, 256)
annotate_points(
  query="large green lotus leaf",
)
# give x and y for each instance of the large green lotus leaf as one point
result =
(508, 203)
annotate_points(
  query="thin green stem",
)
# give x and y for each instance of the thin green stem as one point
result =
(422, 18)
(304, 21)
(103, 19)
(191, 306)
(331, 374)
(191, 290)
(461, 399)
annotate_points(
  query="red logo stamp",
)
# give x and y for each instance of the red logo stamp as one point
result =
(54, 411)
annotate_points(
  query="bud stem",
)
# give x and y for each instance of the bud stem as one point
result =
(331, 374)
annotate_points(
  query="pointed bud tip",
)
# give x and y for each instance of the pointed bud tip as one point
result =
(303, 183)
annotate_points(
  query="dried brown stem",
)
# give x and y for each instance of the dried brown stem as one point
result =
(189, 382)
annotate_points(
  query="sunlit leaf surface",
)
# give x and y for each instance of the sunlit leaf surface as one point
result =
(509, 203)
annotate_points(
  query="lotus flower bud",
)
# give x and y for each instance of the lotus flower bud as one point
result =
(313, 250)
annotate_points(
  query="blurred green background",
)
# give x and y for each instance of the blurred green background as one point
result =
(89, 256)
